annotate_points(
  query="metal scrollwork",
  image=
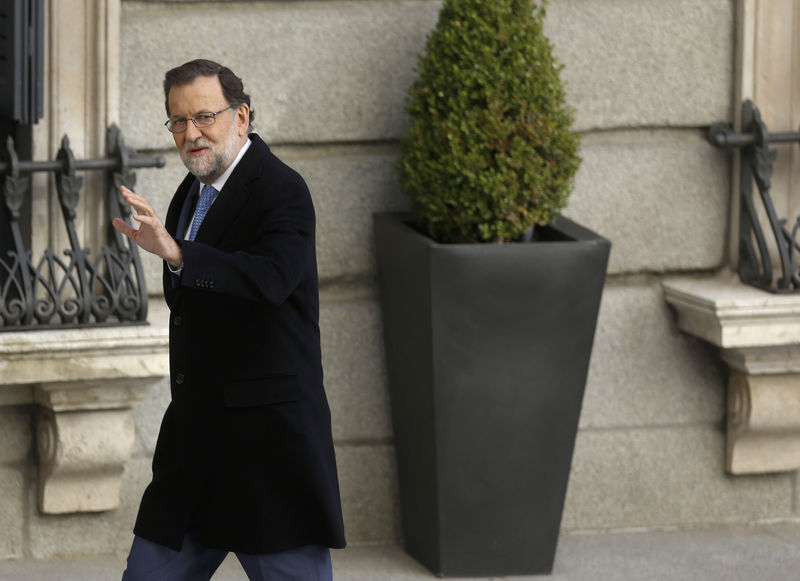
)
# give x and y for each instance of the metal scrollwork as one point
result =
(72, 289)
(756, 263)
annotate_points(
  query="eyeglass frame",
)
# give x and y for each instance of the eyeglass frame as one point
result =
(193, 119)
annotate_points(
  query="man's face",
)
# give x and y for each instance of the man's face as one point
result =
(208, 151)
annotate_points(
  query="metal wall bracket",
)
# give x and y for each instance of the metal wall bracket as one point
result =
(755, 262)
(71, 288)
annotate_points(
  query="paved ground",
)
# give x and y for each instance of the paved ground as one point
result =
(758, 553)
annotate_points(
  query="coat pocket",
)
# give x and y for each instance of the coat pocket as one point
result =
(267, 390)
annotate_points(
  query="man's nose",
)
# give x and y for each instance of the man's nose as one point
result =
(192, 132)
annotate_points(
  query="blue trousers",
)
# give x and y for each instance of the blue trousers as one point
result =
(149, 561)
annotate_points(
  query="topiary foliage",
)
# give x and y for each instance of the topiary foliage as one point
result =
(489, 152)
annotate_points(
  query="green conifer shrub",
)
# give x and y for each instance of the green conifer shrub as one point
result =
(489, 150)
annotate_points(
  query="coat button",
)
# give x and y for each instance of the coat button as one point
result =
(177, 320)
(179, 379)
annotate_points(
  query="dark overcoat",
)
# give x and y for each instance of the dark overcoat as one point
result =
(245, 455)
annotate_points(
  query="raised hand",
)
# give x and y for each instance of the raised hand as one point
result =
(151, 234)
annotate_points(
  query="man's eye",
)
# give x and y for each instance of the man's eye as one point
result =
(204, 117)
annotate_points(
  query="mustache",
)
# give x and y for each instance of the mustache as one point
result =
(190, 145)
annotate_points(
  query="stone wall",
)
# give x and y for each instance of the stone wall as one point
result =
(328, 80)
(647, 78)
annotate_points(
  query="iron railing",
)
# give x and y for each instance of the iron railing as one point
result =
(71, 288)
(756, 264)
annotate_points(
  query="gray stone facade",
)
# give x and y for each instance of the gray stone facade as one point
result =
(327, 80)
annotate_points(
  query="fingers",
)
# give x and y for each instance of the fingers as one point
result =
(147, 219)
(143, 213)
(123, 227)
(141, 205)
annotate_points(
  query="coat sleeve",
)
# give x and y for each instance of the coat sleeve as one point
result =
(265, 253)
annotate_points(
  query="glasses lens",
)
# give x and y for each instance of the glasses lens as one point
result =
(176, 125)
(204, 119)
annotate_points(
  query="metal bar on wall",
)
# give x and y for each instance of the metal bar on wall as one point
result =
(756, 262)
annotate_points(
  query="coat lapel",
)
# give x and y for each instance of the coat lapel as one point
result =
(189, 204)
(179, 212)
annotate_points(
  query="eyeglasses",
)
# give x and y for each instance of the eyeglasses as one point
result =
(201, 120)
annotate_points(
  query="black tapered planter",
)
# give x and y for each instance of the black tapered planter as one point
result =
(487, 350)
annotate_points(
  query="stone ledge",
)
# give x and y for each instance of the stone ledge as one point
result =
(86, 382)
(758, 334)
(82, 354)
(730, 314)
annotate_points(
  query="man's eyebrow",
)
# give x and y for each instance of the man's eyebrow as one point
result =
(201, 112)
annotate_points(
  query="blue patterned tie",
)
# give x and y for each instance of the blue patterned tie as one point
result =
(204, 203)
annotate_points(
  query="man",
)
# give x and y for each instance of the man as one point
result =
(244, 460)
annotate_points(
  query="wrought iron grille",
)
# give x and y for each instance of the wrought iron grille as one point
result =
(756, 264)
(71, 288)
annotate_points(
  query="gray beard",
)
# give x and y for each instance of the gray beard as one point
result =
(205, 168)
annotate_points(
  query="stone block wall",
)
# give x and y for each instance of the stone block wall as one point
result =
(327, 80)
(647, 78)
(16, 456)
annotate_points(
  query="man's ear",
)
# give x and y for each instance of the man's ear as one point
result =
(242, 119)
